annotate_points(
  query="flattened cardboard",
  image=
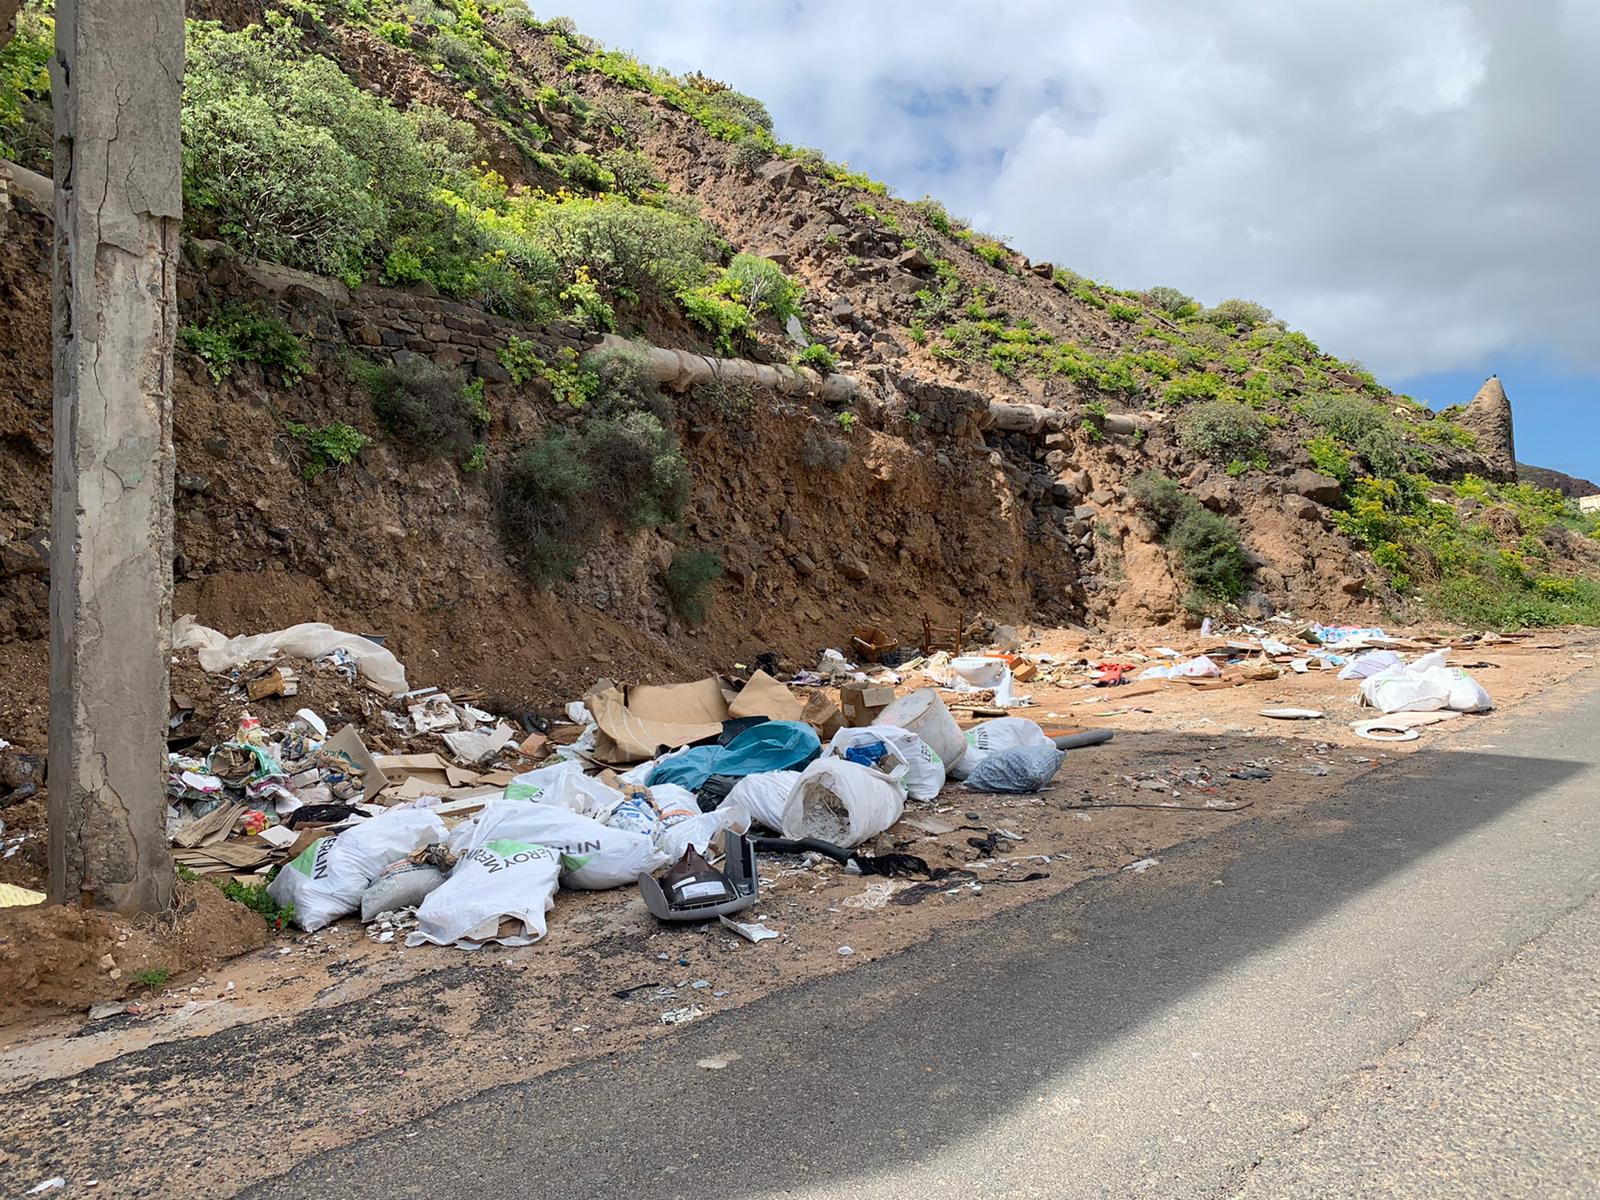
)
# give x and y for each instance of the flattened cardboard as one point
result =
(213, 827)
(625, 738)
(429, 768)
(765, 696)
(348, 741)
(697, 703)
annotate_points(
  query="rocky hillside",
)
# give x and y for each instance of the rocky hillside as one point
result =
(411, 221)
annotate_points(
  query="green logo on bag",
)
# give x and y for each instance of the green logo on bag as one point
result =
(309, 862)
(503, 852)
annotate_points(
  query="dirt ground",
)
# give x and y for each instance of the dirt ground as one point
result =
(331, 1036)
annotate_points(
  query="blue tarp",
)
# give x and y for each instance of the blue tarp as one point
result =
(770, 746)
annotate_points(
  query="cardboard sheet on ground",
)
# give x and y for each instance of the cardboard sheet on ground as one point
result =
(426, 769)
(626, 736)
(765, 696)
(348, 741)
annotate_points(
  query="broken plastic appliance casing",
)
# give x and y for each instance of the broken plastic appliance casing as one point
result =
(707, 893)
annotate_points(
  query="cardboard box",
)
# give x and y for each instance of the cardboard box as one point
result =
(862, 702)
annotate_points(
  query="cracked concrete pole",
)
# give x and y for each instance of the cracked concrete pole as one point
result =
(117, 80)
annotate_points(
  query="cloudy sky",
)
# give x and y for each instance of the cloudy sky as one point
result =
(1415, 185)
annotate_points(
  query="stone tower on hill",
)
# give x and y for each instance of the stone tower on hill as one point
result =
(1489, 417)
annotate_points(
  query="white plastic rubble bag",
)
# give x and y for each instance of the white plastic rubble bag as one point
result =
(566, 786)
(593, 856)
(326, 880)
(1426, 685)
(700, 831)
(844, 802)
(768, 798)
(1002, 733)
(1019, 769)
(313, 640)
(1369, 664)
(402, 884)
(501, 880)
(924, 769)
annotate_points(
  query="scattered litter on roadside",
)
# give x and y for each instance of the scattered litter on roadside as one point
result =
(1143, 865)
(1293, 714)
(846, 951)
(681, 1016)
(718, 1062)
(750, 932)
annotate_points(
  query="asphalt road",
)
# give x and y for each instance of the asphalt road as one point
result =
(1398, 996)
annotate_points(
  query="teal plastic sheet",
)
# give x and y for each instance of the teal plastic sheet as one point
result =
(770, 746)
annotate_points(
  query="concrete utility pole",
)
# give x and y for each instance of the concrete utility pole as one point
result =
(117, 82)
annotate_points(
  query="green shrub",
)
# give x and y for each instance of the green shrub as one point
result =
(1329, 457)
(325, 446)
(625, 117)
(1126, 313)
(254, 896)
(1210, 554)
(152, 978)
(634, 251)
(587, 173)
(1160, 497)
(26, 123)
(237, 333)
(1465, 565)
(621, 466)
(728, 321)
(1206, 545)
(690, 576)
(761, 285)
(286, 159)
(569, 382)
(1366, 428)
(819, 358)
(1197, 385)
(1221, 430)
(544, 509)
(750, 155)
(992, 253)
(1173, 302)
(429, 407)
(624, 382)
(934, 213)
(632, 173)
(1241, 314)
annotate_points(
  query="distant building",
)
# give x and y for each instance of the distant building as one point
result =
(1590, 504)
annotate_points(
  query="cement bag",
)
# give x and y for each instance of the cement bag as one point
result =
(402, 884)
(924, 769)
(1426, 685)
(700, 831)
(844, 803)
(593, 856)
(1017, 769)
(499, 881)
(566, 786)
(767, 798)
(326, 881)
(1000, 734)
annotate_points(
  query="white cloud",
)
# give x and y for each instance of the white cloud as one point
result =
(1413, 184)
